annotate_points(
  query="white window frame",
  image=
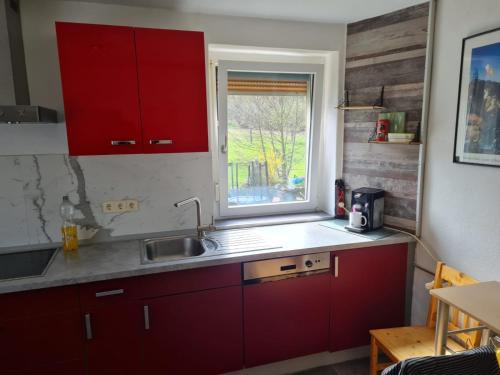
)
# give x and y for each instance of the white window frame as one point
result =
(317, 70)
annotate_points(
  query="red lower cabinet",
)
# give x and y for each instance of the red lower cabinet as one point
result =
(201, 321)
(76, 367)
(41, 333)
(286, 318)
(113, 321)
(194, 333)
(368, 292)
(113, 339)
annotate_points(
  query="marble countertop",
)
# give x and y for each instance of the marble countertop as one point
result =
(110, 260)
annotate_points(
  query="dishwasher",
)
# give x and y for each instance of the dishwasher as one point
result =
(286, 307)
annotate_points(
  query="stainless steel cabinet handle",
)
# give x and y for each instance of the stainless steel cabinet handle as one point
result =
(146, 317)
(106, 293)
(336, 270)
(160, 141)
(123, 143)
(88, 327)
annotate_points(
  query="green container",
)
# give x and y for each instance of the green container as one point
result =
(397, 119)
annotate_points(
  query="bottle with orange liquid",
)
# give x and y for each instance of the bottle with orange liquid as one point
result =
(69, 229)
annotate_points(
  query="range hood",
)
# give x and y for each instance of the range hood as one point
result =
(15, 105)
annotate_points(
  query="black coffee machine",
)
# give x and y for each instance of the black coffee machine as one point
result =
(370, 202)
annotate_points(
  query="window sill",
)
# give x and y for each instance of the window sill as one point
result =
(259, 221)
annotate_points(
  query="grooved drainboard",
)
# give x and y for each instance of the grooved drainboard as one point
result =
(240, 240)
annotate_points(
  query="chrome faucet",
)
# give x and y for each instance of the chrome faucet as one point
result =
(199, 228)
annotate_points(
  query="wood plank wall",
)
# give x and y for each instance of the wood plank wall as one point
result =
(388, 51)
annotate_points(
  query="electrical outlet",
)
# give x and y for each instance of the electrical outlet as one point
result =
(109, 207)
(125, 205)
(131, 205)
(120, 206)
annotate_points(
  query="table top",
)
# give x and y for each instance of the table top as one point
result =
(481, 301)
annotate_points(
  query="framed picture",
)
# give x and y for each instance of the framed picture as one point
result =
(477, 133)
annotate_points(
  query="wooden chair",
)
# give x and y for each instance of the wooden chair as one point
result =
(417, 341)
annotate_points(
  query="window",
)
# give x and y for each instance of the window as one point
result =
(267, 115)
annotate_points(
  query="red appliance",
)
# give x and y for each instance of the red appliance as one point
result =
(339, 199)
(382, 130)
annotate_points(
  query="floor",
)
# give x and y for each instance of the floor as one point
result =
(353, 361)
(355, 367)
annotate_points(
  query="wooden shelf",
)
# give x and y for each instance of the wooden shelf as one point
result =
(360, 108)
(397, 143)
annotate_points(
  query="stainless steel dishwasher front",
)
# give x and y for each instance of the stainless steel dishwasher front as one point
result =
(261, 270)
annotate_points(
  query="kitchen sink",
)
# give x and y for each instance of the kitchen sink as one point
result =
(25, 264)
(175, 248)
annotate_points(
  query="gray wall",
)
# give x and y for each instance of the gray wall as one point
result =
(32, 185)
(460, 202)
(386, 51)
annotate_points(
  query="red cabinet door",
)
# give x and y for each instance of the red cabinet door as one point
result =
(99, 80)
(42, 344)
(368, 293)
(171, 71)
(76, 367)
(195, 333)
(41, 332)
(286, 318)
(113, 339)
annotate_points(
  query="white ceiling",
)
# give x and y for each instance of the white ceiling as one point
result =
(342, 11)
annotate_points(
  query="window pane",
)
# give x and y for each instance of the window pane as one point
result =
(268, 137)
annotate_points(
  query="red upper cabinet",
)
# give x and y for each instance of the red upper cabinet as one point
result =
(171, 71)
(99, 79)
(132, 90)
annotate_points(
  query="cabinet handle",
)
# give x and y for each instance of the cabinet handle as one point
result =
(160, 141)
(336, 269)
(88, 327)
(123, 143)
(106, 293)
(146, 317)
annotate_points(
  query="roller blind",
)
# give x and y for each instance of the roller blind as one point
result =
(245, 83)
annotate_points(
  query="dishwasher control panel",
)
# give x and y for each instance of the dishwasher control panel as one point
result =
(284, 266)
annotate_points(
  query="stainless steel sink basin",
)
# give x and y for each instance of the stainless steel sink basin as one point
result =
(25, 264)
(174, 248)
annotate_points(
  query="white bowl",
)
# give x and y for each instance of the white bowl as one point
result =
(401, 137)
